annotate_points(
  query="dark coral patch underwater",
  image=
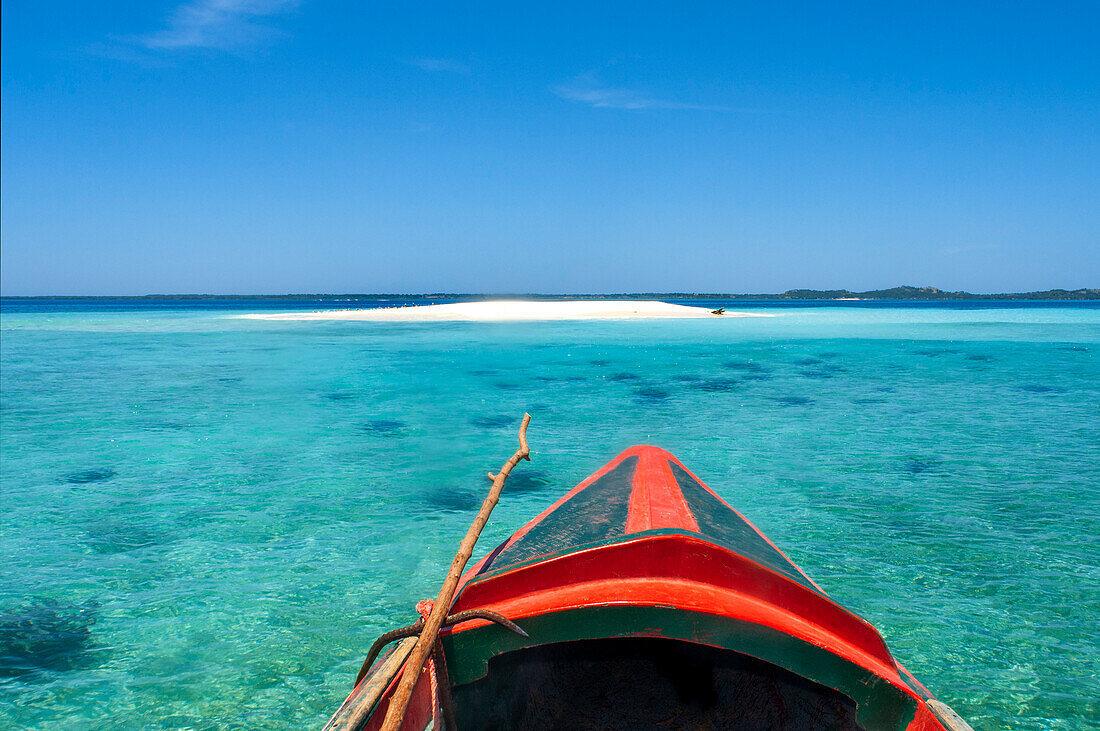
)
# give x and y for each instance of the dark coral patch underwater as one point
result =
(1041, 388)
(452, 500)
(920, 465)
(87, 476)
(792, 400)
(384, 426)
(718, 385)
(524, 481)
(46, 636)
(651, 395)
(748, 370)
(494, 422)
(744, 365)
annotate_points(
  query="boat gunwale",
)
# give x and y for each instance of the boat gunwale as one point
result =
(583, 551)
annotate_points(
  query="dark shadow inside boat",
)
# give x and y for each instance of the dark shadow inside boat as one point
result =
(643, 683)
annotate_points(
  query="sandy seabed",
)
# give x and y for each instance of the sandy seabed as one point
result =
(511, 310)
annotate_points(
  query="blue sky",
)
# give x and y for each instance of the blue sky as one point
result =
(266, 146)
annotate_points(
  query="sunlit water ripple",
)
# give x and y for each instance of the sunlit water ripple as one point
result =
(206, 520)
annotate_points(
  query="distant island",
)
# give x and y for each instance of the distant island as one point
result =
(922, 293)
(894, 293)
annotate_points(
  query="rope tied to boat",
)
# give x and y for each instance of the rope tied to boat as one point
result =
(414, 629)
(436, 664)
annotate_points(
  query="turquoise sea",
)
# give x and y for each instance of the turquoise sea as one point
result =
(205, 521)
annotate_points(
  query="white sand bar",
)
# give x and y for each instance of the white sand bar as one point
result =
(511, 310)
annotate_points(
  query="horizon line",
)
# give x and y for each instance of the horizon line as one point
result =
(799, 293)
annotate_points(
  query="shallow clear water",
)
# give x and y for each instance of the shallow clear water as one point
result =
(206, 521)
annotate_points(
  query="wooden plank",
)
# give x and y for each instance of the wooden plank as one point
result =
(358, 706)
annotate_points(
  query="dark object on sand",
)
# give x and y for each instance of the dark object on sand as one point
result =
(719, 311)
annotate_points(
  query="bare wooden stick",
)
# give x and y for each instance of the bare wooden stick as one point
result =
(415, 664)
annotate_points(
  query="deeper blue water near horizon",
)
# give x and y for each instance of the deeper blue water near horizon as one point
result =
(205, 521)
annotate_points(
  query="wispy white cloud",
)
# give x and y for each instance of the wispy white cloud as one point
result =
(215, 24)
(586, 89)
(440, 64)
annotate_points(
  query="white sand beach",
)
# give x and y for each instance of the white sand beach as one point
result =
(511, 310)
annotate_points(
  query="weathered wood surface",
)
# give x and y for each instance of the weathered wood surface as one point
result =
(356, 709)
(947, 716)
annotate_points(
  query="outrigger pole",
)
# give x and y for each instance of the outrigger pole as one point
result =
(429, 636)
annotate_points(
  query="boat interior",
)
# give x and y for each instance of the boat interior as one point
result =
(644, 683)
